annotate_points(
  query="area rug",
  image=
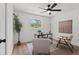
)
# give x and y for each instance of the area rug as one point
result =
(60, 50)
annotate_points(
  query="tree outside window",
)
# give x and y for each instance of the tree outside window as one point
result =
(36, 24)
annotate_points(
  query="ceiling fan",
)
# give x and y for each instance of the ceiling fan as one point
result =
(50, 8)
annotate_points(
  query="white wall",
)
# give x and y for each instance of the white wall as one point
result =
(27, 32)
(72, 15)
(9, 28)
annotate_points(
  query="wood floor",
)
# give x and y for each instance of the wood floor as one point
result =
(26, 49)
(20, 50)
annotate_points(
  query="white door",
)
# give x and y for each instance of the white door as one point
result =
(2, 29)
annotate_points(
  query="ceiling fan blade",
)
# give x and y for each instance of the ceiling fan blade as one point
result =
(43, 11)
(53, 5)
(56, 10)
(42, 8)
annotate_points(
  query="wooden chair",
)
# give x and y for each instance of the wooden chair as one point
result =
(66, 41)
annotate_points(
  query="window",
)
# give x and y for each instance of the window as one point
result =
(36, 23)
(65, 26)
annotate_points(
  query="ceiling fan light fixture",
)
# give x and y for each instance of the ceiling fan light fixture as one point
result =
(49, 13)
(50, 8)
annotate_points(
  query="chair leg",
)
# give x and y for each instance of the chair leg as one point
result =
(70, 49)
(71, 45)
(58, 43)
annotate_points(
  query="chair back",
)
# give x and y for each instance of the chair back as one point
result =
(41, 45)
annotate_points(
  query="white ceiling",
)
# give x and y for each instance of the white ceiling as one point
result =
(34, 7)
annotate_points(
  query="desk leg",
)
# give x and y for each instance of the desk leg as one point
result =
(58, 42)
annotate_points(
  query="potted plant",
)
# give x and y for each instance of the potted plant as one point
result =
(17, 27)
(40, 32)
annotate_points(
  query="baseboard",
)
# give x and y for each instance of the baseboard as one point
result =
(29, 42)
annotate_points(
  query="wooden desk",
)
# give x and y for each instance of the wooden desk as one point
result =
(43, 35)
(46, 35)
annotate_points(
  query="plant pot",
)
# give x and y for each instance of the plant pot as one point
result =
(18, 43)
